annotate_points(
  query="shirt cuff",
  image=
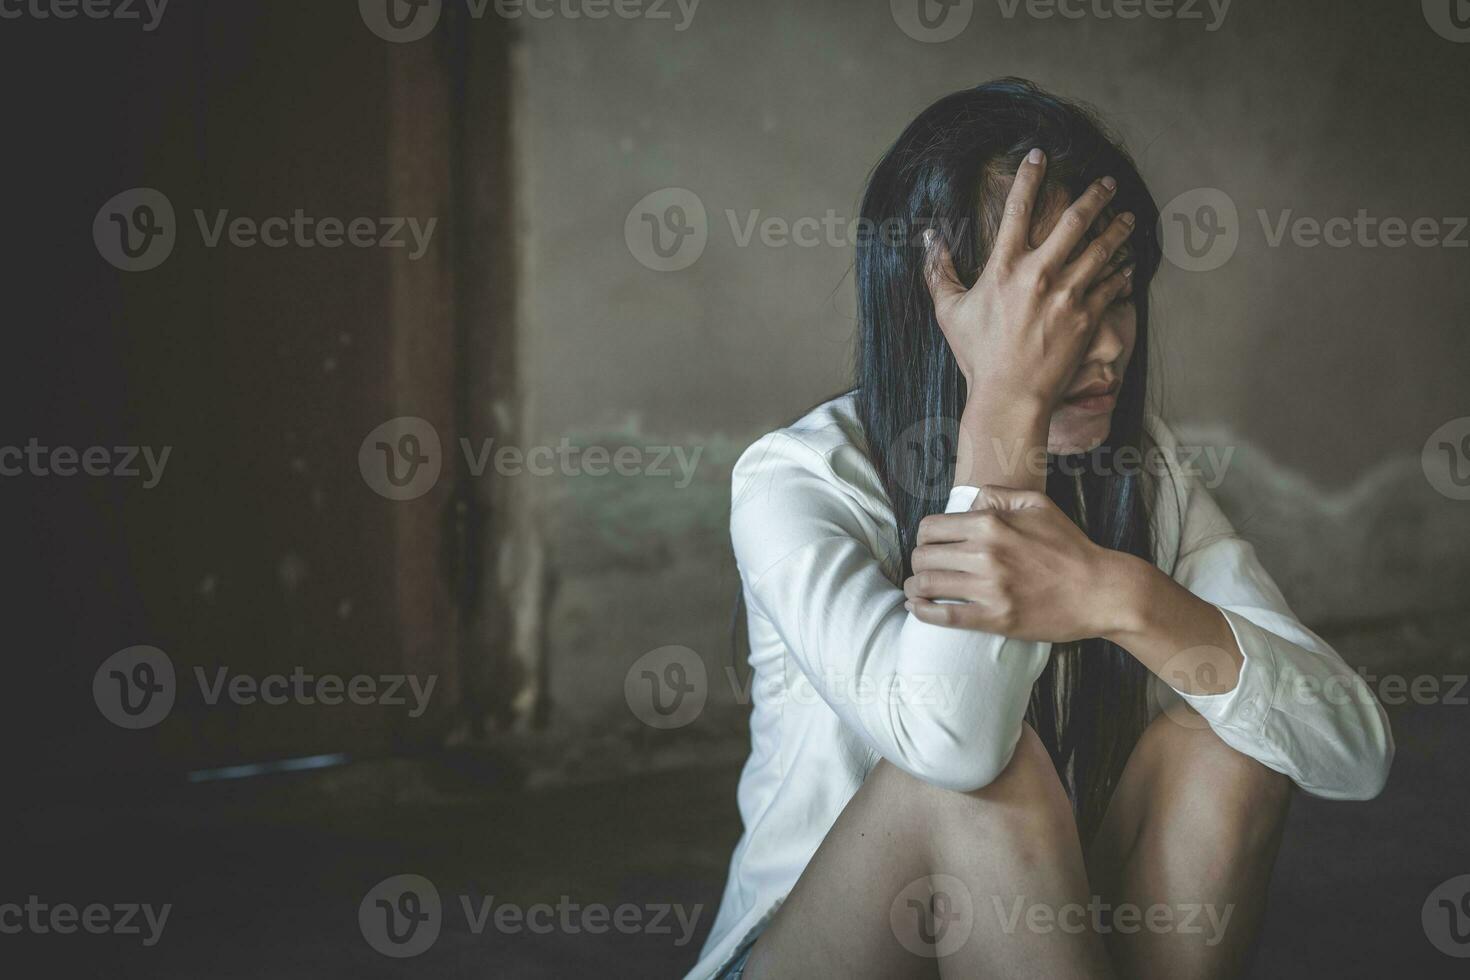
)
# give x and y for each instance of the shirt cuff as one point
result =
(1246, 706)
(961, 499)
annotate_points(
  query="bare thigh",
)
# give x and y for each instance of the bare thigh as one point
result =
(914, 880)
(1194, 827)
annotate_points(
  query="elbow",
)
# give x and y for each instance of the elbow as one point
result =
(1365, 773)
(967, 776)
(964, 767)
(1375, 773)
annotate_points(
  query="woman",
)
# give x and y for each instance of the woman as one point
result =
(1025, 705)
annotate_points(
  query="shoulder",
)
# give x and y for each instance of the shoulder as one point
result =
(806, 482)
(823, 452)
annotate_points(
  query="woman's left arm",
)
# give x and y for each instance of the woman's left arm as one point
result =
(1219, 632)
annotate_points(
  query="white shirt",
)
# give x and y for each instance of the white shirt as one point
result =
(844, 676)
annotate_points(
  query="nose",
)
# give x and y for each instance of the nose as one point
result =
(1108, 342)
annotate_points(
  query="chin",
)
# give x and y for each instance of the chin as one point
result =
(1069, 436)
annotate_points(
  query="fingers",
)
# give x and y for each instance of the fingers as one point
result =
(983, 517)
(1096, 258)
(1015, 227)
(938, 585)
(944, 283)
(946, 528)
(1074, 222)
(941, 558)
(1105, 293)
(993, 497)
(938, 613)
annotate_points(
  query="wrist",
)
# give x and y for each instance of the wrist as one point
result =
(1002, 441)
(1126, 599)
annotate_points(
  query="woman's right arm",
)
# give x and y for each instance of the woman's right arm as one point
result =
(944, 705)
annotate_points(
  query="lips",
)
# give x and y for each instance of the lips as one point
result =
(1097, 396)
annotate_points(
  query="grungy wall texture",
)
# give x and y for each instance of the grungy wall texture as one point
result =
(1323, 363)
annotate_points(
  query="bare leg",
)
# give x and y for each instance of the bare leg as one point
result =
(1193, 825)
(1010, 846)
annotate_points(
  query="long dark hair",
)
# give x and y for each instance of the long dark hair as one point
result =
(948, 172)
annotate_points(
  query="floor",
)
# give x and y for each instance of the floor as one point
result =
(266, 881)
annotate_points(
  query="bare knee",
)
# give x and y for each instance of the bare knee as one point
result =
(1025, 803)
(1219, 793)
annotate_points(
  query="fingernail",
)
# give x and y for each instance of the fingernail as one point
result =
(1109, 183)
(1128, 272)
(1035, 156)
(928, 237)
(1127, 218)
(908, 605)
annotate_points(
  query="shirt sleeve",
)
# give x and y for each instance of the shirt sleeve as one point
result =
(944, 705)
(1297, 707)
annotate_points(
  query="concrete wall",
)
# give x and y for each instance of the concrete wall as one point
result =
(1325, 364)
